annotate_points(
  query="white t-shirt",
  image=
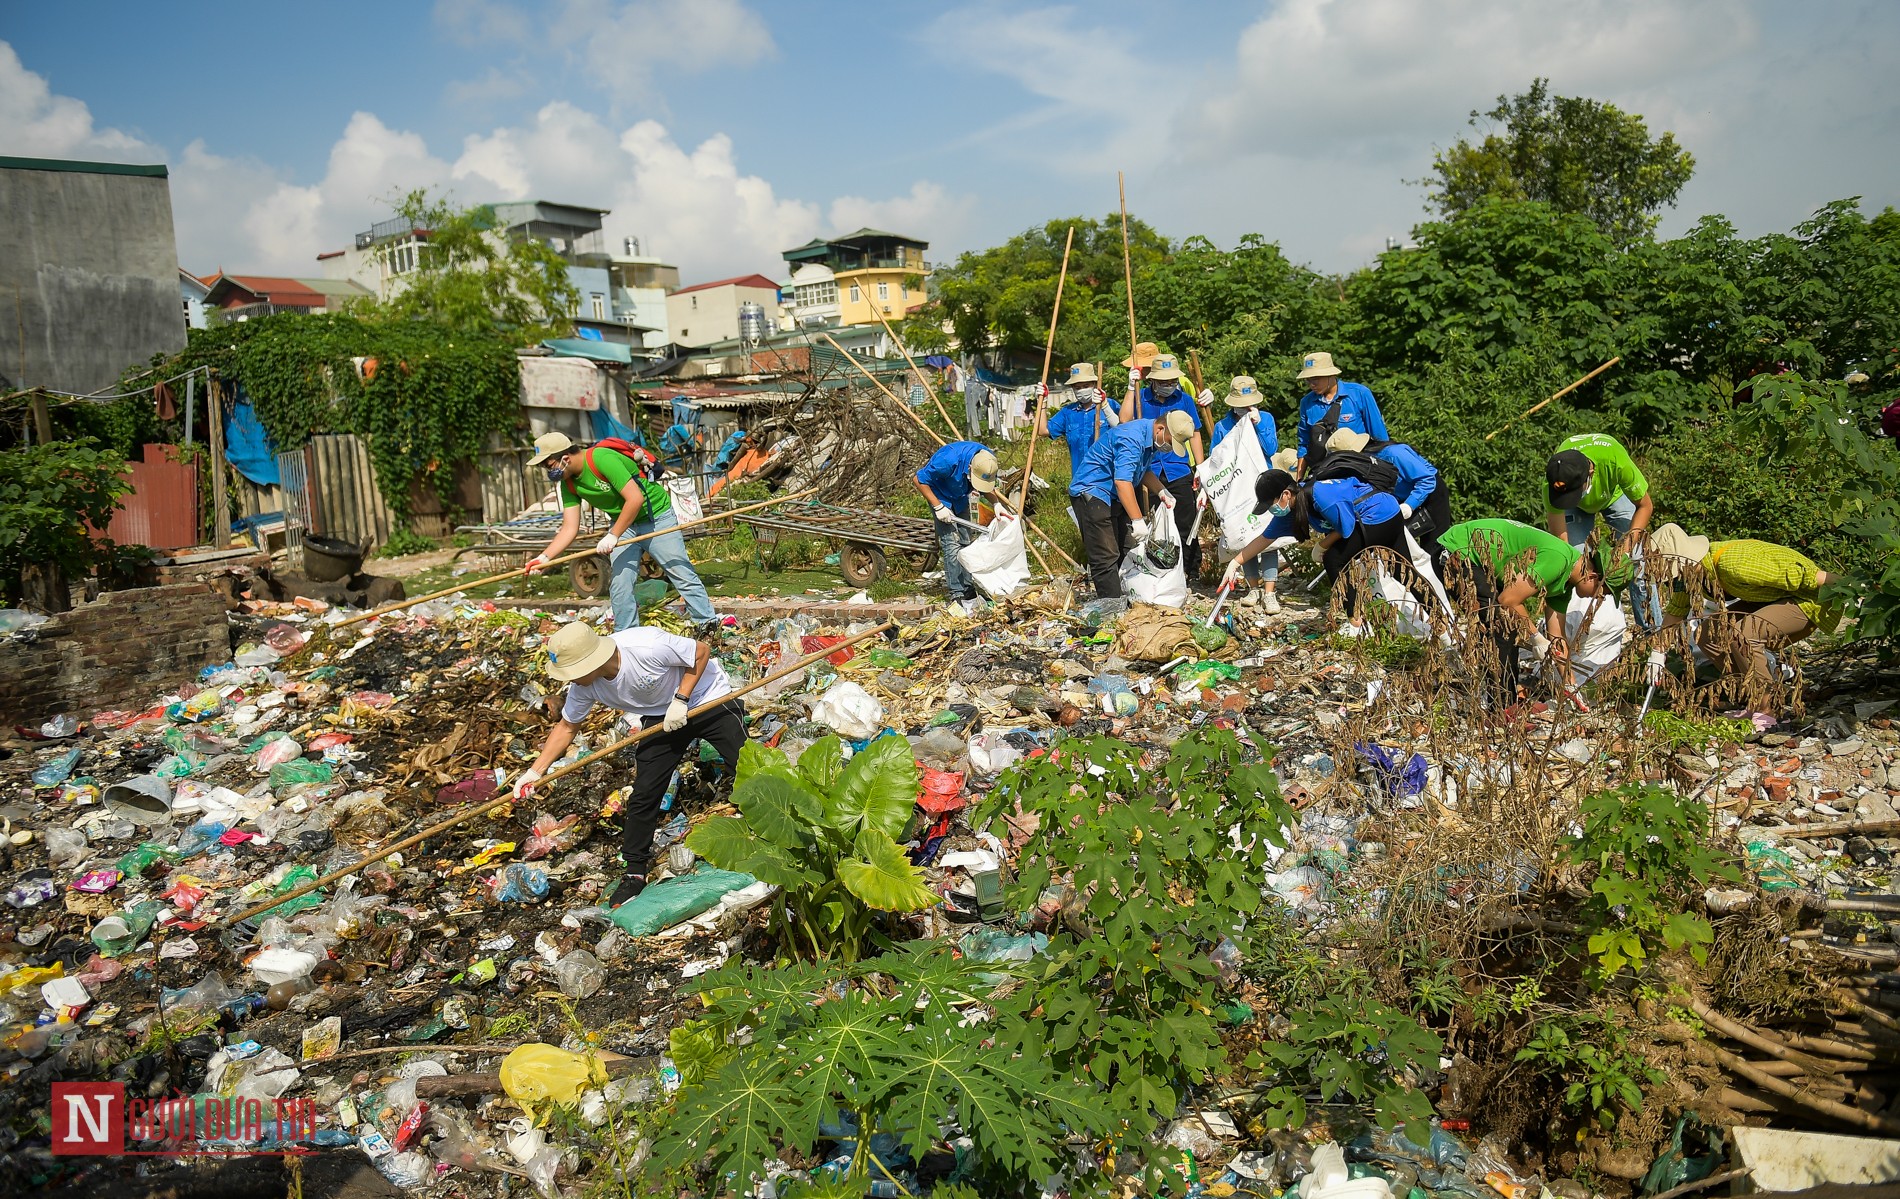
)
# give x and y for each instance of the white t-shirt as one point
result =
(652, 662)
(1609, 629)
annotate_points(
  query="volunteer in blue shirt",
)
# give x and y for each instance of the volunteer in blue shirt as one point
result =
(1349, 515)
(1244, 410)
(1357, 409)
(1106, 492)
(946, 482)
(1162, 395)
(1424, 500)
(1082, 420)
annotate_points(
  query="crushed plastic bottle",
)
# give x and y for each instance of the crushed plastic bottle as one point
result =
(580, 974)
(56, 771)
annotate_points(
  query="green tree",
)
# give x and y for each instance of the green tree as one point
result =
(1577, 155)
(470, 278)
(50, 497)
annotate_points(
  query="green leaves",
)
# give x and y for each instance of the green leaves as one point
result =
(49, 495)
(876, 790)
(1363, 1050)
(883, 877)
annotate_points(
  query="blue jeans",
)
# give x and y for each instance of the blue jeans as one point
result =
(956, 580)
(1642, 599)
(1263, 569)
(669, 550)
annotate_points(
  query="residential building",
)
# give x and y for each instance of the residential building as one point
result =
(640, 286)
(705, 313)
(191, 293)
(857, 278)
(232, 298)
(88, 272)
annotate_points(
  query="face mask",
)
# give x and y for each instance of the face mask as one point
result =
(554, 471)
(1165, 389)
(1280, 510)
(1087, 396)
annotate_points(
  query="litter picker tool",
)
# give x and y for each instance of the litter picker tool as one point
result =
(1048, 352)
(1220, 601)
(1556, 396)
(576, 556)
(507, 798)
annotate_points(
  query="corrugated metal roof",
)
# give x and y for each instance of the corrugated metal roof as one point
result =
(759, 281)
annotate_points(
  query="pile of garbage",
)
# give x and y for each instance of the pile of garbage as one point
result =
(181, 916)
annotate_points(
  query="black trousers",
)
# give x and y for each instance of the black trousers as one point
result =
(1183, 491)
(1438, 509)
(1104, 539)
(654, 762)
(1497, 626)
(1388, 533)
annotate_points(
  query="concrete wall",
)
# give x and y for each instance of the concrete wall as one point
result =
(700, 318)
(95, 265)
(120, 650)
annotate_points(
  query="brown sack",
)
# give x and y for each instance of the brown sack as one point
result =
(1148, 633)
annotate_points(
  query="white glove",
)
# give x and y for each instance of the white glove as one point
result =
(1658, 663)
(675, 716)
(1206, 397)
(538, 562)
(1166, 499)
(1541, 644)
(1042, 391)
(607, 543)
(524, 786)
(1134, 374)
(1139, 529)
(1405, 510)
(942, 512)
(1231, 575)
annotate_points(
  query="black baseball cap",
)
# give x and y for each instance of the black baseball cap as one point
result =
(1569, 475)
(1270, 487)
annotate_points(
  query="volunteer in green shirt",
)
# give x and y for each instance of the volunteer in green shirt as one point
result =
(1592, 475)
(1774, 593)
(613, 483)
(1510, 562)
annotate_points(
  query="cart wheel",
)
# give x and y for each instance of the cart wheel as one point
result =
(589, 577)
(650, 569)
(861, 563)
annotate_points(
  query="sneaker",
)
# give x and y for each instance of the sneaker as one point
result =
(1248, 599)
(629, 887)
(1270, 603)
(709, 631)
(1349, 629)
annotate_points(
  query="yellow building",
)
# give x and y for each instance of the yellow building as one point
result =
(855, 279)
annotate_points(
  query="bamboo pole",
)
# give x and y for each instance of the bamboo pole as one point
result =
(1128, 277)
(1048, 353)
(1556, 396)
(932, 433)
(576, 556)
(928, 389)
(220, 494)
(508, 798)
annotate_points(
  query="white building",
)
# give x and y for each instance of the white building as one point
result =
(705, 313)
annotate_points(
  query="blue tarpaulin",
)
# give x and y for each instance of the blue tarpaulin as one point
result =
(606, 426)
(599, 351)
(246, 445)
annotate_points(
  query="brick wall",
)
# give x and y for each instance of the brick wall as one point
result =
(120, 650)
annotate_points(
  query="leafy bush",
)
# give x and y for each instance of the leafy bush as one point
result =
(1353, 1046)
(825, 831)
(1592, 1052)
(1648, 847)
(50, 496)
(1164, 864)
(787, 1057)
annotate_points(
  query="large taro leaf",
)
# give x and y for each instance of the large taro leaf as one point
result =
(876, 790)
(755, 758)
(822, 762)
(883, 877)
(729, 843)
(775, 808)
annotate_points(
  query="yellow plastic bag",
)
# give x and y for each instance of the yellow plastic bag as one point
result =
(31, 976)
(536, 1076)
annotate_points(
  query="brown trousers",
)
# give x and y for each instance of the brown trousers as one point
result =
(1743, 644)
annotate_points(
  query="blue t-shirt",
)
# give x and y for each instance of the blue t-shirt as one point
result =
(948, 474)
(1358, 411)
(1417, 477)
(1263, 429)
(1079, 426)
(1168, 464)
(1341, 505)
(1125, 452)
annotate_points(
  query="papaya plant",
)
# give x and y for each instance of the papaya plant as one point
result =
(824, 831)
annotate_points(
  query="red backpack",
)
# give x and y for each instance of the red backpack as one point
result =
(643, 459)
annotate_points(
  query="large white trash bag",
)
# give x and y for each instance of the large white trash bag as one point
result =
(998, 561)
(1227, 480)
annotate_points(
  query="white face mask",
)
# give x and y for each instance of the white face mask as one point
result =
(1165, 388)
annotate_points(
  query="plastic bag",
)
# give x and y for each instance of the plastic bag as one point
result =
(851, 711)
(665, 904)
(519, 883)
(580, 974)
(1227, 476)
(537, 1075)
(121, 932)
(547, 834)
(65, 846)
(56, 771)
(1143, 580)
(998, 561)
(941, 791)
(275, 753)
(298, 771)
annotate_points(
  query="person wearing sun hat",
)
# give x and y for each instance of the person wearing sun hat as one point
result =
(1162, 395)
(1083, 419)
(1773, 592)
(1106, 492)
(658, 677)
(945, 482)
(617, 484)
(1244, 410)
(1329, 405)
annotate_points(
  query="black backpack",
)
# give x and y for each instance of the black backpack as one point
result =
(1376, 473)
(1322, 432)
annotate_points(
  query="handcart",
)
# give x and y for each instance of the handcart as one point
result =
(865, 535)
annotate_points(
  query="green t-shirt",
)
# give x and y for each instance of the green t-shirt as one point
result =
(1511, 547)
(1615, 473)
(601, 485)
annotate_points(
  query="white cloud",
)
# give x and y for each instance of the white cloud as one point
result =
(36, 123)
(473, 22)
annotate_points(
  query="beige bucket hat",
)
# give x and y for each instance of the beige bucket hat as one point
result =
(1243, 392)
(1316, 364)
(1285, 459)
(1181, 433)
(1166, 366)
(549, 445)
(1671, 541)
(577, 650)
(1144, 354)
(1082, 373)
(1350, 440)
(983, 471)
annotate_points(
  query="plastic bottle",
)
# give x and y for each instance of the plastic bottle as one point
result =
(56, 771)
(580, 974)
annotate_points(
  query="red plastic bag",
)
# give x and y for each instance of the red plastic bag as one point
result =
(477, 788)
(814, 642)
(942, 791)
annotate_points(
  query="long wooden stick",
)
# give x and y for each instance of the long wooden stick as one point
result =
(928, 389)
(1048, 352)
(576, 556)
(1556, 396)
(508, 797)
(932, 433)
(1128, 272)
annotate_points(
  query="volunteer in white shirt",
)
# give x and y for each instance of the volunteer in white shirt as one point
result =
(657, 676)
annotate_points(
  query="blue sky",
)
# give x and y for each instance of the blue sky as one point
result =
(722, 131)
